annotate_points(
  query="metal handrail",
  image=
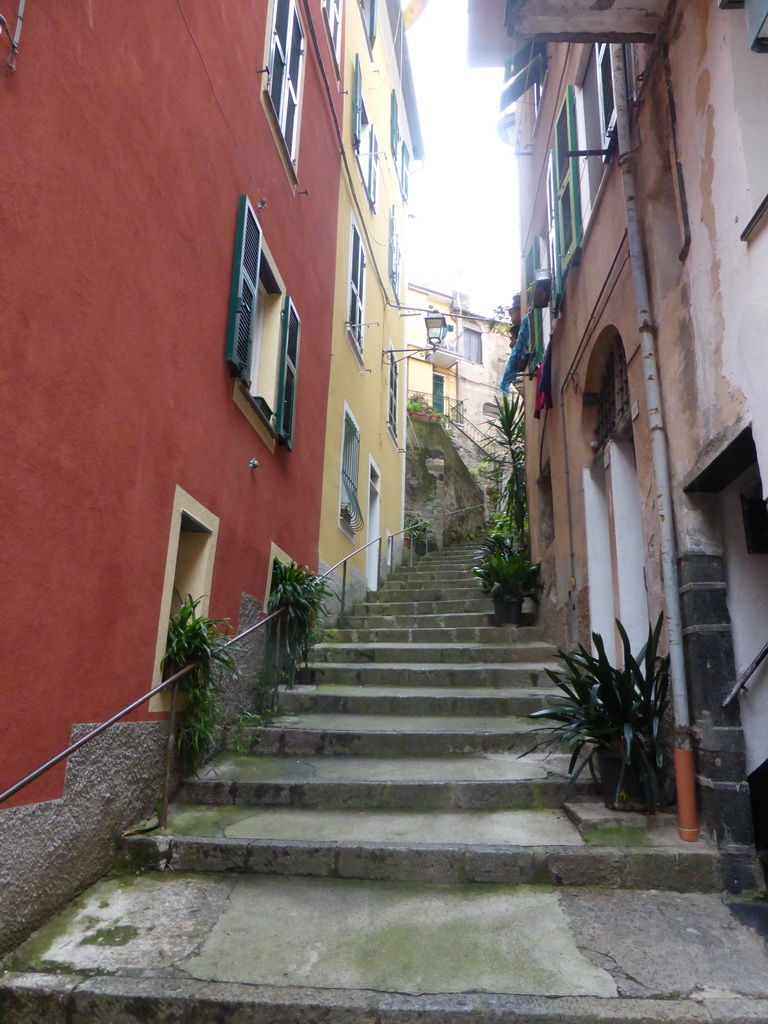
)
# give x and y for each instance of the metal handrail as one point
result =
(378, 540)
(746, 676)
(174, 679)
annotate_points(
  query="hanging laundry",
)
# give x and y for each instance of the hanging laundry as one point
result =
(518, 357)
(544, 384)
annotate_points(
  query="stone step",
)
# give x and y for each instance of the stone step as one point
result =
(456, 634)
(428, 700)
(482, 619)
(472, 781)
(414, 653)
(429, 578)
(247, 949)
(511, 674)
(389, 735)
(403, 610)
(431, 592)
(518, 847)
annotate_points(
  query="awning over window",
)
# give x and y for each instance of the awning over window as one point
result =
(532, 74)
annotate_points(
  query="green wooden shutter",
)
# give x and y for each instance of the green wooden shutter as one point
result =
(245, 280)
(371, 26)
(554, 232)
(289, 363)
(394, 127)
(531, 264)
(357, 103)
(567, 167)
(405, 163)
(438, 393)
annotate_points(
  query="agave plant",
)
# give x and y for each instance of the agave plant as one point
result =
(603, 707)
(505, 574)
(195, 639)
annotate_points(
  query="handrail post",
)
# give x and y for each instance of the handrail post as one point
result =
(343, 591)
(169, 749)
(378, 565)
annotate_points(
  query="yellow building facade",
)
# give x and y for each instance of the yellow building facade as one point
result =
(364, 465)
(432, 375)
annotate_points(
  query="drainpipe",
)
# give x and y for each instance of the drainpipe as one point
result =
(685, 779)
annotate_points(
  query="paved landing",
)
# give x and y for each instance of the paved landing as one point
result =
(344, 935)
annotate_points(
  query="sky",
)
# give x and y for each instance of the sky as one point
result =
(463, 232)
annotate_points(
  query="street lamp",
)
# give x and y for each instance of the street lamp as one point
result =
(437, 329)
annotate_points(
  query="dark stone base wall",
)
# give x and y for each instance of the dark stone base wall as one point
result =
(758, 791)
(723, 791)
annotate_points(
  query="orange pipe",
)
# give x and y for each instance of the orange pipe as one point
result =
(685, 783)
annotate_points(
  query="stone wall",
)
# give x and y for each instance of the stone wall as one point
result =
(51, 851)
(437, 482)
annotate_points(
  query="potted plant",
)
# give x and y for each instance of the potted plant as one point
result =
(301, 594)
(615, 713)
(195, 639)
(345, 515)
(416, 535)
(507, 576)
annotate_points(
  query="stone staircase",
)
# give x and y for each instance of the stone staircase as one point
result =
(387, 852)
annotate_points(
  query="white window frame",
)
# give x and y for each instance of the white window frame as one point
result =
(289, 53)
(356, 296)
(368, 155)
(479, 334)
(332, 9)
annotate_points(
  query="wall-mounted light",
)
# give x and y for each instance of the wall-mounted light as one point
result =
(437, 328)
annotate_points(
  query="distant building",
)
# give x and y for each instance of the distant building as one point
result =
(644, 185)
(460, 377)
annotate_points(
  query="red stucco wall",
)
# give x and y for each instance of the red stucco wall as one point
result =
(119, 182)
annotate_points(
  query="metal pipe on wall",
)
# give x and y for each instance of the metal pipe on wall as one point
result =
(684, 765)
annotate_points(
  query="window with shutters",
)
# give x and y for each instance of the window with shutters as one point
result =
(356, 314)
(533, 264)
(286, 63)
(368, 14)
(332, 12)
(404, 168)
(263, 331)
(364, 137)
(394, 128)
(392, 393)
(607, 108)
(350, 513)
(567, 197)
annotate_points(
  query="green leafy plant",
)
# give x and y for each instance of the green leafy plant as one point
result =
(195, 639)
(419, 404)
(416, 529)
(603, 707)
(505, 456)
(505, 573)
(301, 595)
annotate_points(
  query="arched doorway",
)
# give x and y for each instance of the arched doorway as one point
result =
(612, 503)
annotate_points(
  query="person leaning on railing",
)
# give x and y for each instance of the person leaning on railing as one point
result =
(520, 331)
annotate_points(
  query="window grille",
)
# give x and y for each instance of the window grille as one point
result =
(393, 389)
(350, 511)
(613, 399)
